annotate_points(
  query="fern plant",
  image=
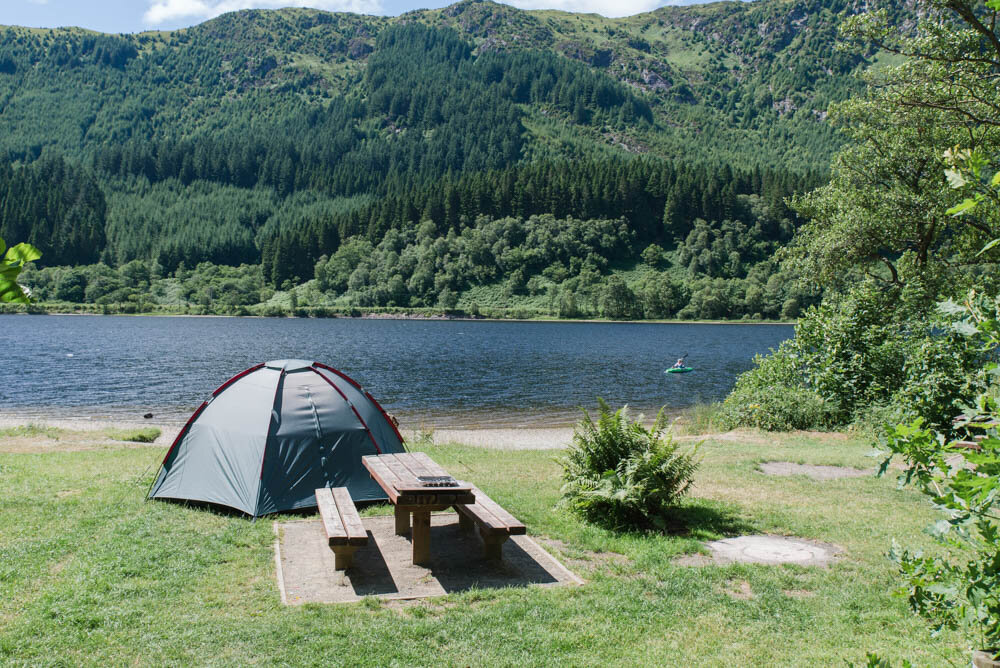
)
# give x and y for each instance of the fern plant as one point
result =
(623, 475)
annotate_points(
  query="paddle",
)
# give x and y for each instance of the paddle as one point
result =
(683, 358)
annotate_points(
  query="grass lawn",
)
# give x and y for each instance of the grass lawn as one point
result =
(92, 574)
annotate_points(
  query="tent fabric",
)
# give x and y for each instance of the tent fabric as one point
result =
(273, 434)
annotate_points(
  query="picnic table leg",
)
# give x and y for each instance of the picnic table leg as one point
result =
(464, 522)
(421, 536)
(402, 521)
(493, 546)
(343, 557)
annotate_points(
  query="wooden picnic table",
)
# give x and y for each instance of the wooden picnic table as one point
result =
(399, 475)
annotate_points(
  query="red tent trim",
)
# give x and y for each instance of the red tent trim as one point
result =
(341, 374)
(386, 416)
(182, 432)
(235, 378)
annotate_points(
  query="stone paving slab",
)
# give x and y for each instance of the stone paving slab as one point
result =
(383, 568)
(764, 549)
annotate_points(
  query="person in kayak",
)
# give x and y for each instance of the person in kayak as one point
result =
(679, 364)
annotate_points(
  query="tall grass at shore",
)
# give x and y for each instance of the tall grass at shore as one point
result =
(92, 574)
(701, 418)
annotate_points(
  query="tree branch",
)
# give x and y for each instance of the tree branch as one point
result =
(969, 16)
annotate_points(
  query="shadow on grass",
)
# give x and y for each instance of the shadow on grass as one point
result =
(707, 520)
(700, 519)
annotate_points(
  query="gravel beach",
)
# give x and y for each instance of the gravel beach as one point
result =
(498, 439)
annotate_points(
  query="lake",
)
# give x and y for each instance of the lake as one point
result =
(427, 372)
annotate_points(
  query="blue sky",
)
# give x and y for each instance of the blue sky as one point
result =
(137, 15)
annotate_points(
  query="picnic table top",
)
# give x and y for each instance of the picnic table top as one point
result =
(399, 475)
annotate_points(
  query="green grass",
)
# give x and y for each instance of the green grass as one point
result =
(143, 435)
(92, 574)
(702, 418)
(31, 431)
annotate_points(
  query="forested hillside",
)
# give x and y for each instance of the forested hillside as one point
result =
(290, 139)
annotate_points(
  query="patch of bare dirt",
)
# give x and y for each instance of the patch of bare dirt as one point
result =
(757, 437)
(57, 567)
(582, 560)
(741, 590)
(813, 471)
(694, 560)
(823, 436)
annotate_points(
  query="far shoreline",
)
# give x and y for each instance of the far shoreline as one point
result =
(404, 316)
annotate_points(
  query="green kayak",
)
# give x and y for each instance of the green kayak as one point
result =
(681, 369)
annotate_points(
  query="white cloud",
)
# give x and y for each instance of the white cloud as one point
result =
(166, 11)
(38, 2)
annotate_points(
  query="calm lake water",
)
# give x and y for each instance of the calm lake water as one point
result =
(436, 373)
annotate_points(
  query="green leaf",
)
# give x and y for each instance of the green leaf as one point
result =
(22, 253)
(993, 4)
(965, 206)
(995, 181)
(11, 292)
(989, 245)
(3, 245)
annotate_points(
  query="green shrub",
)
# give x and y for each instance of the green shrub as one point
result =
(859, 360)
(771, 396)
(959, 590)
(622, 475)
(144, 435)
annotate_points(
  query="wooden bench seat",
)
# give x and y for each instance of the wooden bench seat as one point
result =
(342, 523)
(495, 524)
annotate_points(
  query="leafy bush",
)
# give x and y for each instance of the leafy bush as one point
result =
(961, 478)
(772, 396)
(622, 475)
(861, 358)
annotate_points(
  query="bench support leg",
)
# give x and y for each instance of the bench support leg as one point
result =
(421, 536)
(465, 523)
(493, 545)
(343, 556)
(402, 521)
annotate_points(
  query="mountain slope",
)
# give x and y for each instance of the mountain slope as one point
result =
(738, 82)
(284, 137)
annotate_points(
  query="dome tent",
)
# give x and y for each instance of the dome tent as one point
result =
(272, 435)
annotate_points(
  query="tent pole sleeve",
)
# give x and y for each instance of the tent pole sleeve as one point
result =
(356, 413)
(263, 457)
(341, 374)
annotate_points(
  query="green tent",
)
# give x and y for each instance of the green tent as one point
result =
(272, 435)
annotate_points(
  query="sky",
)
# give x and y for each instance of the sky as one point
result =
(120, 16)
